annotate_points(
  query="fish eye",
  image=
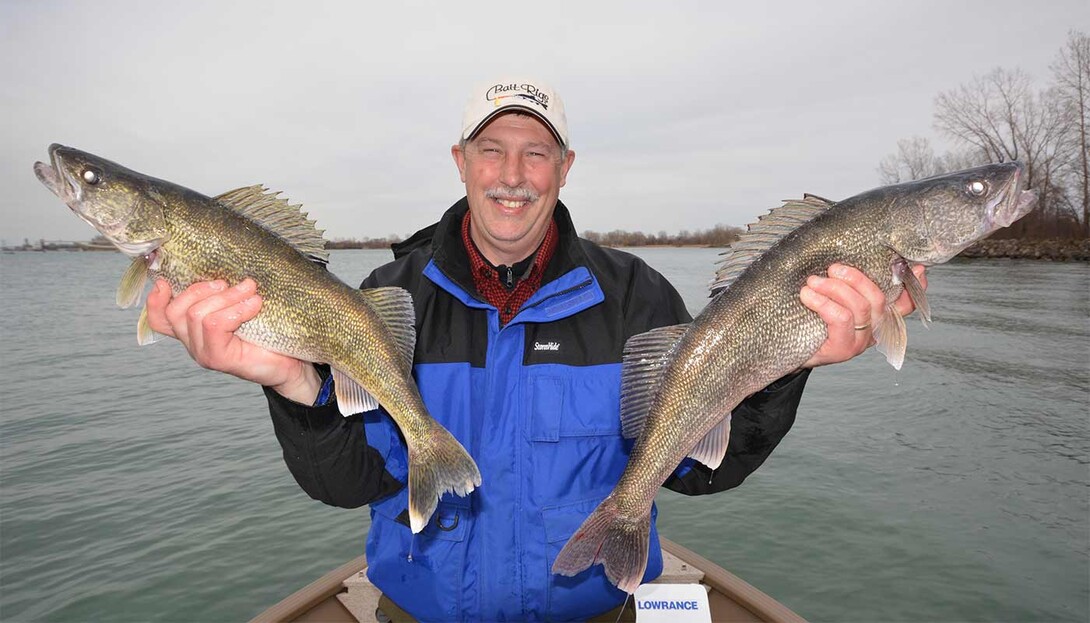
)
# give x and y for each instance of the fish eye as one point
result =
(91, 176)
(977, 188)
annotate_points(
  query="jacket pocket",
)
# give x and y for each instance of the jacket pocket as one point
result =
(424, 574)
(577, 405)
(575, 444)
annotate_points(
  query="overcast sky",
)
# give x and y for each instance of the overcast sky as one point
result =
(681, 118)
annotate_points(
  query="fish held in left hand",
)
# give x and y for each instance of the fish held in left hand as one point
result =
(366, 336)
(680, 383)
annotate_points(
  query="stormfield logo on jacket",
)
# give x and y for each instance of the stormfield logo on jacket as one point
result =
(553, 346)
(528, 92)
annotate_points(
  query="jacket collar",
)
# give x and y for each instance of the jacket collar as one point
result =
(449, 254)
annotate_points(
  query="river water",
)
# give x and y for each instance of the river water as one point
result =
(135, 486)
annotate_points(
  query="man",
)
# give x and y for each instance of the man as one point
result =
(520, 331)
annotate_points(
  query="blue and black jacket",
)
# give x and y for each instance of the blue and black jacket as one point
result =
(536, 403)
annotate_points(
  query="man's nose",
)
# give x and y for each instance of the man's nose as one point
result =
(512, 172)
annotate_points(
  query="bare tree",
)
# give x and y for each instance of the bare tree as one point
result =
(982, 113)
(915, 159)
(1072, 74)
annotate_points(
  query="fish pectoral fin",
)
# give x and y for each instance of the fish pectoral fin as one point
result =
(915, 290)
(645, 358)
(395, 306)
(892, 337)
(131, 288)
(144, 333)
(352, 398)
(713, 447)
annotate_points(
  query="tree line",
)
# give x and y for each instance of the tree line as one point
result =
(1001, 116)
(718, 236)
(366, 243)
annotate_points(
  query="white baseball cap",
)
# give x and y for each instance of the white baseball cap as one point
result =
(531, 96)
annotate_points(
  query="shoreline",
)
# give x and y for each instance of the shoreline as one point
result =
(1049, 250)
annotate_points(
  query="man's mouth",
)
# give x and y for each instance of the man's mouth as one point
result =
(511, 197)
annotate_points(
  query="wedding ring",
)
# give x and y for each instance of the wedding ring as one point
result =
(862, 327)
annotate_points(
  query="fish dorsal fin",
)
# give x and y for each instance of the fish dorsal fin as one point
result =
(131, 288)
(352, 398)
(279, 217)
(760, 236)
(713, 447)
(645, 358)
(395, 306)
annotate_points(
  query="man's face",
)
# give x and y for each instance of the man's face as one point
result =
(513, 172)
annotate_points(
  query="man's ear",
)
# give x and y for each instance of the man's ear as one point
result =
(459, 156)
(564, 167)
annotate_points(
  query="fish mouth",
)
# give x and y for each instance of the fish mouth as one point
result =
(1013, 203)
(57, 179)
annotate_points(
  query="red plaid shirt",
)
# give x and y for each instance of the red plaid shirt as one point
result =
(487, 279)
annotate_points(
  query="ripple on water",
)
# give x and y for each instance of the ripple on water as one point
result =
(136, 486)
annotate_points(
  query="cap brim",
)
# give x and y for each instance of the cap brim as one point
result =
(516, 108)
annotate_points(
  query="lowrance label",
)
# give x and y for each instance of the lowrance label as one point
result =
(672, 603)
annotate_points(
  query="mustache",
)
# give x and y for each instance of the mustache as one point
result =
(511, 193)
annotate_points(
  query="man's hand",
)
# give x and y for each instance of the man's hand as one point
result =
(845, 300)
(204, 319)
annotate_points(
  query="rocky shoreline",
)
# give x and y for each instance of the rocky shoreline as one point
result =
(1053, 250)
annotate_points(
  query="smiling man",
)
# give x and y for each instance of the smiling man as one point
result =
(521, 326)
(513, 171)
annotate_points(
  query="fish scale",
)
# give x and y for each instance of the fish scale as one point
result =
(770, 330)
(366, 336)
(681, 383)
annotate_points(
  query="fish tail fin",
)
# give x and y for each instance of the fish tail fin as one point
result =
(435, 467)
(619, 542)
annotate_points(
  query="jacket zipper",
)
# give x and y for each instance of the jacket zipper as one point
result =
(578, 286)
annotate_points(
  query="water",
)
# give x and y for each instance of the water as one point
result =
(135, 486)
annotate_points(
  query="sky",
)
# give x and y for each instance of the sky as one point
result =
(683, 115)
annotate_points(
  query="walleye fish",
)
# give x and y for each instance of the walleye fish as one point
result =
(680, 383)
(366, 336)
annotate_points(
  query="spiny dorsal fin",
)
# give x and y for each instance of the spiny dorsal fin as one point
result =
(767, 231)
(645, 358)
(395, 306)
(279, 217)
